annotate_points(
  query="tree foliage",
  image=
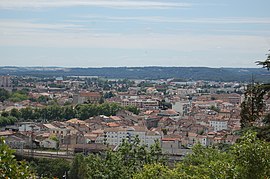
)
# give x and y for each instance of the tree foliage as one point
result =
(158, 171)
(108, 95)
(251, 157)
(78, 167)
(248, 159)
(252, 108)
(17, 97)
(4, 95)
(133, 109)
(15, 113)
(265, 63)
(82, 111)
(9, 167)
(123, 163)
(50, 168)
(4, 121)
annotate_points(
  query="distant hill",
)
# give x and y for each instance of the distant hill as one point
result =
(188, 73)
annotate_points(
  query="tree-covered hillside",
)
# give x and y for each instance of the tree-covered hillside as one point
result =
(188, 73)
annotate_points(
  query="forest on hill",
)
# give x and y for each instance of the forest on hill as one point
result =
(187, 73)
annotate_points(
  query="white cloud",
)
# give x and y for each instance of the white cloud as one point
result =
(10, 4)
(181, 42)
(30, 24)
(30, 33)
(160, 19)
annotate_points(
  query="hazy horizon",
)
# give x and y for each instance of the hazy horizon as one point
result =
(134, 33)
(10, 66)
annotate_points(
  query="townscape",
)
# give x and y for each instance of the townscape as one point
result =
(88, 113)
(134, 89)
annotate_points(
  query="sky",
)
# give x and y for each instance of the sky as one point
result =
(113, 33)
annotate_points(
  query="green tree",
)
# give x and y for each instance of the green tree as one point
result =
(113, 108)
(26, 113)
(56, 139)
(252, 107)
(5, 113)
(129, 159)
(248, 159)
(266, 119)
(4, 95)
(83, 111)
(43, 99)
(108, 95)
(109, 166)
(9, 167)
(10, 120)
(15, 113)
(251, 157)
(36, 113)
(4, 121)
(207, 163)
(18, 96)
(53, 112)
(78, 167)
(214, 108)
(50, 168)
(265, 63)
(68, 112)
(159, 171)
(133, 109)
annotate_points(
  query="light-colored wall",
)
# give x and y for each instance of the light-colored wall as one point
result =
(171, 147)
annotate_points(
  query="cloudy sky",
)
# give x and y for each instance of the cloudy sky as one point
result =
(97, 33)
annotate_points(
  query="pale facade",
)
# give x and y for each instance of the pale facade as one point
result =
(115, 136)
(219, 125)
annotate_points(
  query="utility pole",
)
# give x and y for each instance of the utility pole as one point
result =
(22, 152)
(83, 144)
(252, 97)
(67, 142)
(65, 175)
(32, 138)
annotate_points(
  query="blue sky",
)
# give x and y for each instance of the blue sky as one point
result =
(97, 33)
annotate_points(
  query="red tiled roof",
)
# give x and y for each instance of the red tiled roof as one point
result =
(113, 124)
(169, 139)
(90, 94)
(75, 121)
(6, 133)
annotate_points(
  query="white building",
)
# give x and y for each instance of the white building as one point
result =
(149, 104)
(171, 146)
(219, 125)
(185, 92)
(59, 131)
(182, 107)
(49, 143)
(115, 136)
(29, 126)
(5, 81)
(203, 140)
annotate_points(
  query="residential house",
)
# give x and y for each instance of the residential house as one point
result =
(59, 131)
(87, 97)
(170, 145)
(49, 143)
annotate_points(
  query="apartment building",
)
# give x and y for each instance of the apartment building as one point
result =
(219, 125)
(115, 136)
